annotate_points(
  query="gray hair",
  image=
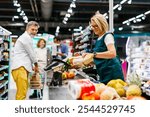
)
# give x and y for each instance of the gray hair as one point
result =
(32, 23)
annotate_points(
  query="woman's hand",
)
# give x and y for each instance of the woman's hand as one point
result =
(84, 54)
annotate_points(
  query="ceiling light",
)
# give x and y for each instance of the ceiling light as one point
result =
(16, 17)
(130, 1)
(141, 15)
(22, 13)
(128, 23)
(64, 22)
(26, 21)
(116, 6)
(125, 22)
(120, 28)
(120, 7)
(138, 20)
(106, 16)
(70, 10)
(57, 29)
(80, 27)
(148, 12)
(131, 19)
(73, 5)
(68, 15)
(123, 1)
(66, 18)
(143, 18)
(134, 21)
(19, 9)
(17, 5)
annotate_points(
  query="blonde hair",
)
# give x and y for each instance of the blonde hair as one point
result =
(101, 21)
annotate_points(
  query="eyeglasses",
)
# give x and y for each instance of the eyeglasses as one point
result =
(93, 26)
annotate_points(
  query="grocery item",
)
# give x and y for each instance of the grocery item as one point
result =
(109, 94)
(91, 96)
(133, 90)
(78, 87)
(118, 85)
(88, 59)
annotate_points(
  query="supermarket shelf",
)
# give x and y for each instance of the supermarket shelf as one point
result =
(2, 77)
(4, 92)
(6, 98)
(4, 67)
(3, 84)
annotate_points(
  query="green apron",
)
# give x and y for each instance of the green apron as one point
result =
(107, 69)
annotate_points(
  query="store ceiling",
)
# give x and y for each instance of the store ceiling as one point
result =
(50, 15)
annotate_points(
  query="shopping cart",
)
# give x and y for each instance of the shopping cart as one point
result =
(36, 83)
(54, 72)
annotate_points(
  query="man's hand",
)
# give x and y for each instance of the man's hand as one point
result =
(61, 54)
(36, 69)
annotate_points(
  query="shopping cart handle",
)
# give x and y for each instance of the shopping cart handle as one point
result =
(61, 61)
(54, 63)
(48, 67)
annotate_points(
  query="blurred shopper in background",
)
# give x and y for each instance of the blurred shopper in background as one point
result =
(107, 63)
(62, 49)
(43, 56)
(23, 59)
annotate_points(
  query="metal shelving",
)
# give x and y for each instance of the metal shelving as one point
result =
(4, 62)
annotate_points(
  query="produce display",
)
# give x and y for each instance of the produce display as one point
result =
(115, 90)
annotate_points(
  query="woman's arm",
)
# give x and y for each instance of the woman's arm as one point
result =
(111, 53)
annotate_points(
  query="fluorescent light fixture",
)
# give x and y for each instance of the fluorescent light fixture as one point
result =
(73, 5)
(57, 29)
(120, 7)
(26, 21)
(138, 20)
(130, 1)
(64, 22)
(19, 9)
(66, 19)
(143, 18)
(131, 19)
(134, 21)
(68, 15)
(22, 13)
(141, 15)
(125, 22)
(16, 17)
(116, 6)
(120, 28)
(25, 17)
(104, 14)
(80, 27)
(128, 23)
(123, 1)
(70, 10)
(148, 12)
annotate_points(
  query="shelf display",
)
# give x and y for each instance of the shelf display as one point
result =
(82, 40)
(4, 62)
(138, 58)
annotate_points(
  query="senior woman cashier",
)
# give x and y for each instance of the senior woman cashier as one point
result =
(104, 53)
